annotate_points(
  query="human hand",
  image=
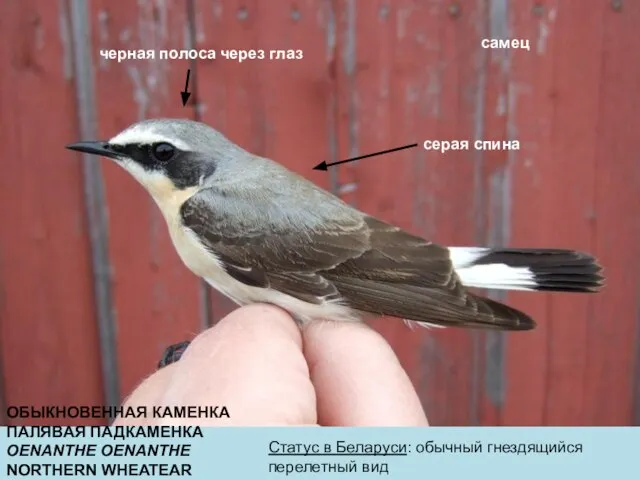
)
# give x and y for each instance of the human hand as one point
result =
(266, 371)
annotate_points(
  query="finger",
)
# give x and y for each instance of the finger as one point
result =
(358, 379)
(147, 395)
(252, 363)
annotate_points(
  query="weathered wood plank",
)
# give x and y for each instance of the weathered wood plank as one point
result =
(568, 175)
(530, 112)
(156, 299)
(48, 331)
(404, 79)
(612, 342)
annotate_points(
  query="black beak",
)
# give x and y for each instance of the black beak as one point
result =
(95, 148)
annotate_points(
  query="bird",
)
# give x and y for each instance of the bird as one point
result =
(260, 233)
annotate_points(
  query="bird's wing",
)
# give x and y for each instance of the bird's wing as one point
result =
(263, 244)
(315, 255)
(407, 277)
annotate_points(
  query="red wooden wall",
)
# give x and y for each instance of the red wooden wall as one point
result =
(83, 246)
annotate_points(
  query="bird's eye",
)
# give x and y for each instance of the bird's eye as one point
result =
(163, 152)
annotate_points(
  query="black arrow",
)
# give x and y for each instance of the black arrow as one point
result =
(324, 165)
(185, 95)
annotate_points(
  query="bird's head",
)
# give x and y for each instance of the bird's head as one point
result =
(165, 155)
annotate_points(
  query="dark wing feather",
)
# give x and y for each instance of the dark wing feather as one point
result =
(274, 254)
(396, 256)
(407, 277)
(375, 267)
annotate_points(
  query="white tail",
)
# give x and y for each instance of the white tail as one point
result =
(526, 269)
